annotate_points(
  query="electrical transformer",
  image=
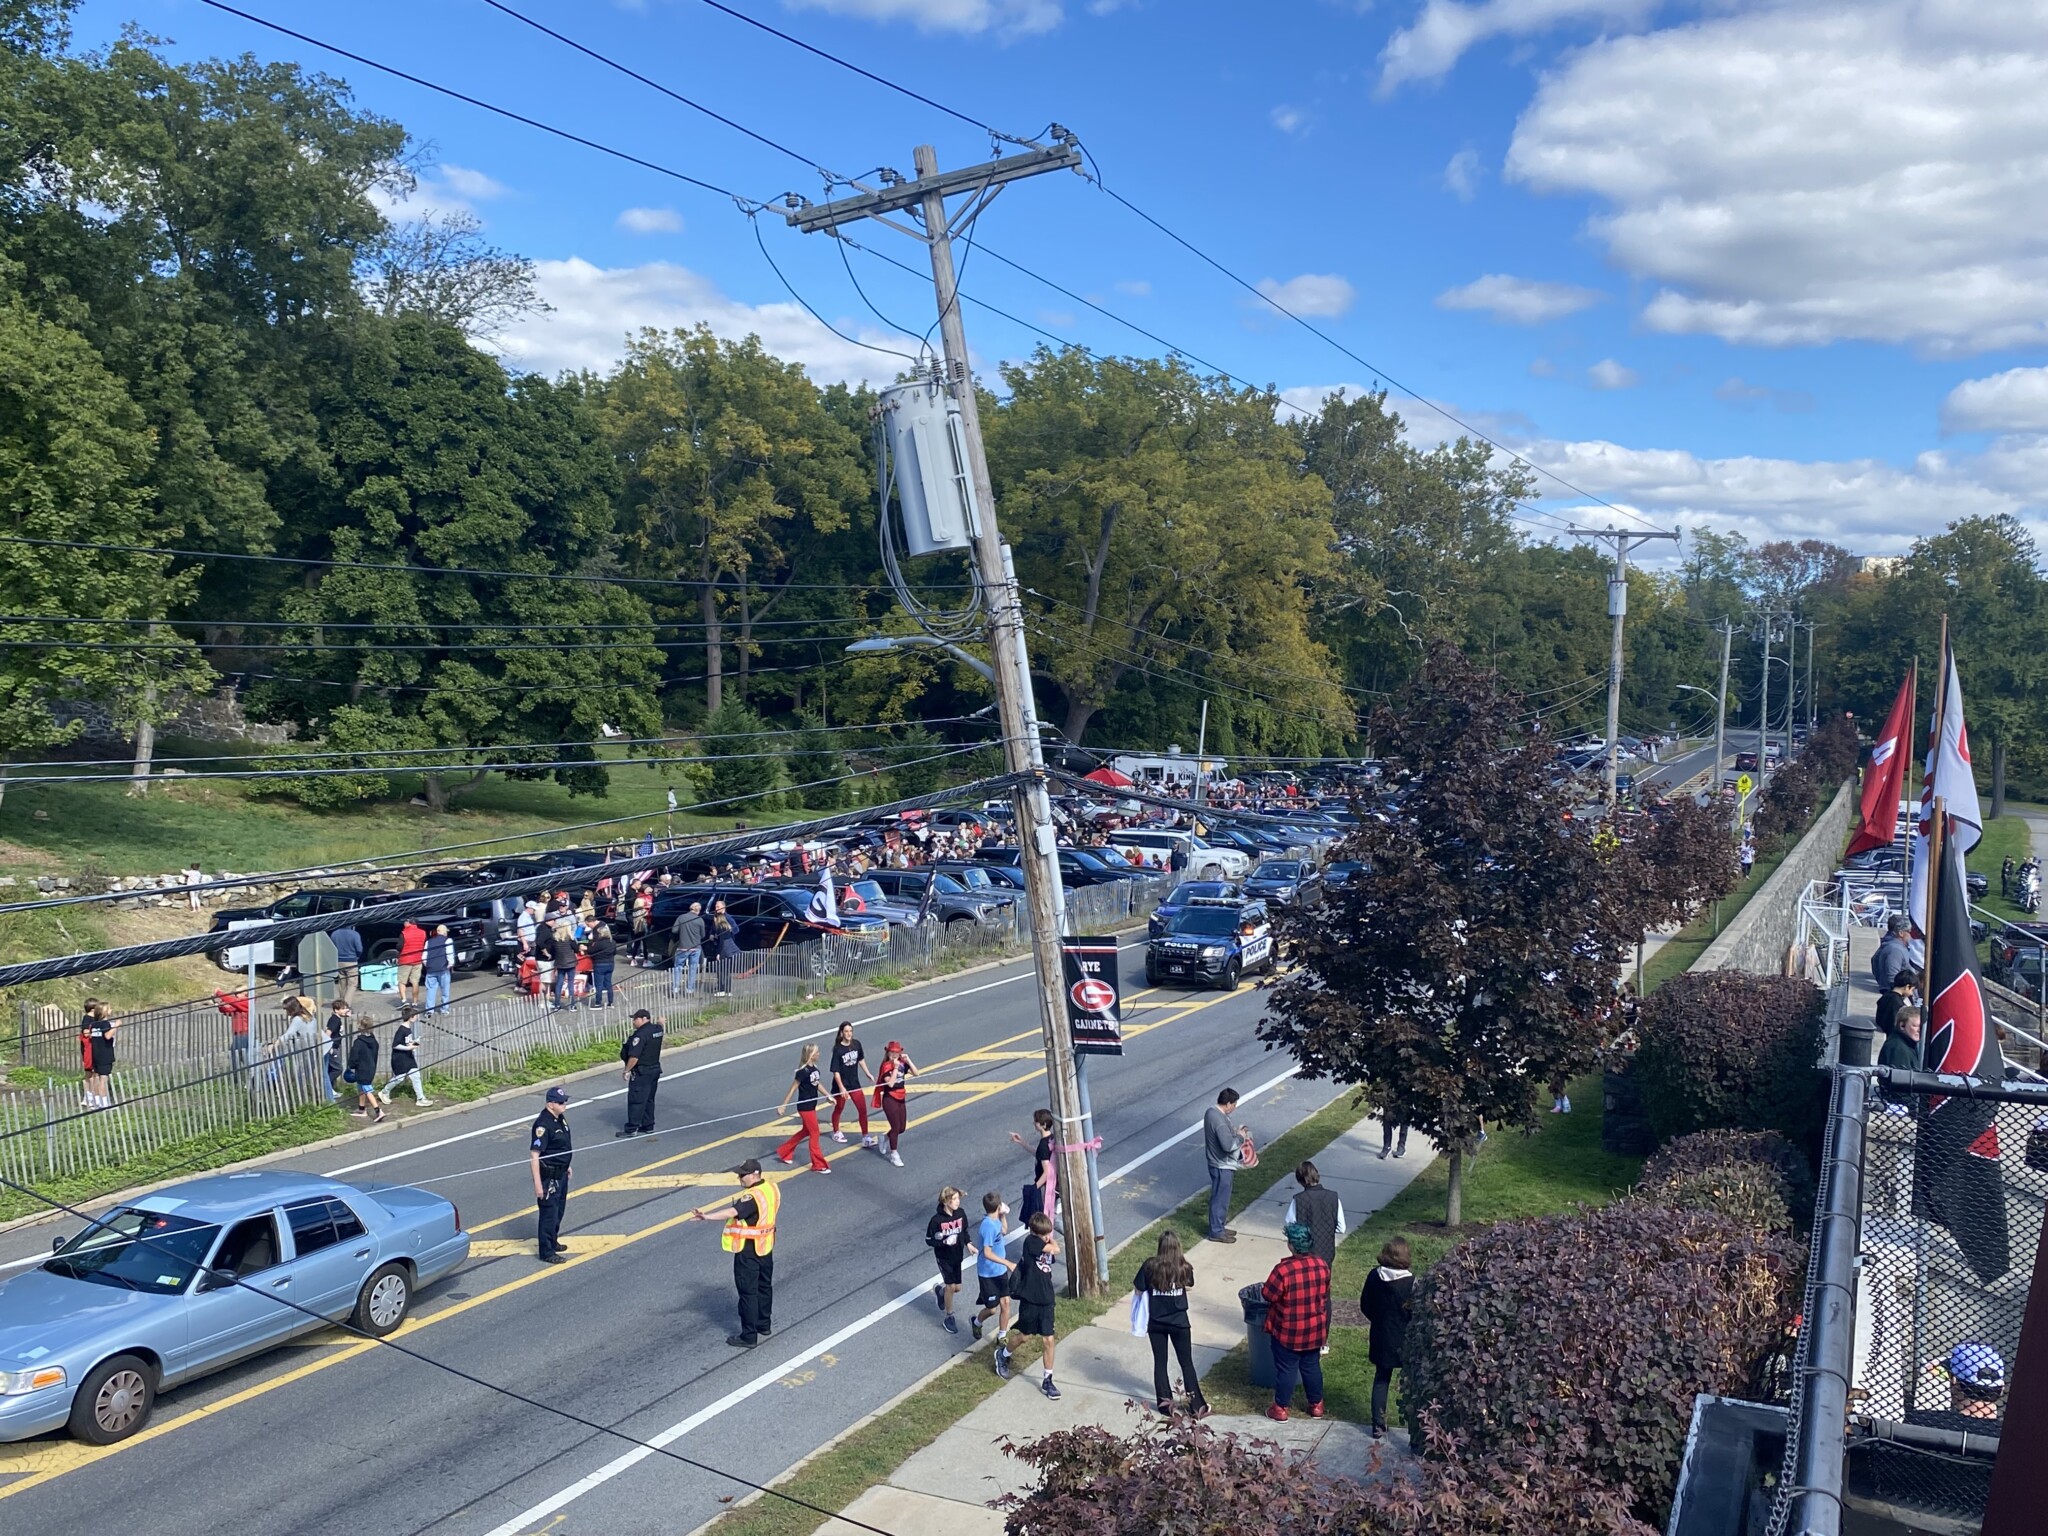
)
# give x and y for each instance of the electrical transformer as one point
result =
(927, 461)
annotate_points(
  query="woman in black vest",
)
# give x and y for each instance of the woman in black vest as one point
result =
(1320, 1211)
(1387, 1300)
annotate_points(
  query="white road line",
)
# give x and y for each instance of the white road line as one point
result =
(921, 1291)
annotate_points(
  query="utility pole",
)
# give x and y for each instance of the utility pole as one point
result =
(1763, 719)
(1810, 628)
(1201, 751)
(1721, 717)
(1621, 542)
(925, 199)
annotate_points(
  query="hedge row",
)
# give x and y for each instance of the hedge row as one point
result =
(1725, 1050)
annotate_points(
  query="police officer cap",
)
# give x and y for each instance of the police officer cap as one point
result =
(748, 1169)
(642, 1013)
(558, 1095)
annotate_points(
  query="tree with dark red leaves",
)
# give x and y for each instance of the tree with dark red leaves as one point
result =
(1475, 956)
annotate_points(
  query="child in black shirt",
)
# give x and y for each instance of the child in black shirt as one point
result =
(1032, 1285)
(946, 1235)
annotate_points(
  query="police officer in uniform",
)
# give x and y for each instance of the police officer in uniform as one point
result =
(749, 1237)
(550, 1159)
(642, 1055)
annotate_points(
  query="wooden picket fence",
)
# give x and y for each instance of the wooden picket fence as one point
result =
(175, 1083)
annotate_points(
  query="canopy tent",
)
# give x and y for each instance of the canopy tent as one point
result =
(1110, 777)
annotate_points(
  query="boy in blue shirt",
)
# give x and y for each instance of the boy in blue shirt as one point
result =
(992, 1273)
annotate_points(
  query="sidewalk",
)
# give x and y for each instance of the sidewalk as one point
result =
(1105, 1374)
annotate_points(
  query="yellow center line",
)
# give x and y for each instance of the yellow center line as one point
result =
(30, 1464)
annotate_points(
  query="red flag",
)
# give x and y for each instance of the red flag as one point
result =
(1884, 780)
(1958, 1179)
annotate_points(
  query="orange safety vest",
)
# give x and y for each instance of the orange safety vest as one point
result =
(767, 1199)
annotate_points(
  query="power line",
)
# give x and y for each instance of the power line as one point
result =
(387, 647)
(509, 625)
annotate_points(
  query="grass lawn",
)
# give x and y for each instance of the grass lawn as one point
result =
(1682, 949)
(836, 1477)
(1513, 1176)
(2007, 837)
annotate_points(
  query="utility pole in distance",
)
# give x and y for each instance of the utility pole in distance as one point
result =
(1621, 542)
(1721, 715)
(925, 198)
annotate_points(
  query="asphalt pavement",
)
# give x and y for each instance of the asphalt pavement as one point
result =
(335, 1434)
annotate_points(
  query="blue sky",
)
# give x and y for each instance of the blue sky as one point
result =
(1779, 266)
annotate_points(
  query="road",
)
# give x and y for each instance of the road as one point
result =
(1658, 778)
(339, 1435)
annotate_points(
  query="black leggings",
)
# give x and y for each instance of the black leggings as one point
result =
(1382, 1378)
(1183, 1346)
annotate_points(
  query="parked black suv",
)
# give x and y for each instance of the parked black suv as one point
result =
(951, 903)
(474, 943)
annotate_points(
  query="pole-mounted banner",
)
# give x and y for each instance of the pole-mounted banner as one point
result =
(1095, 1002)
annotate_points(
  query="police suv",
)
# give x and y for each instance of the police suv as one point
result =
(1213, 941)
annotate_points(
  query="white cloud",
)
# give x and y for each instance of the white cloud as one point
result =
(1009, 18)
(1462, 173)
(440, 189)
(1608, 374)
(1433, 43)
(597, 308)
(1136, 287)
(1287, 119)
(651, 221)
(2013, 401)
(1816, 170)
(1519, 300)
(1742, 394)
(1322, 294)
(471, 186)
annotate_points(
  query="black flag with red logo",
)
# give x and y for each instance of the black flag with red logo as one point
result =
(1957, 1179)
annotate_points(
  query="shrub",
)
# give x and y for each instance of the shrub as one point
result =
(1181, 1476)
(1742, 1190)
(741, 749)
(1728, 1050)
(1617, 1318)
(1703, 1151)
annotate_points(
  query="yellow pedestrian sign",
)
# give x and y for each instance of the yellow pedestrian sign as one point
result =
(1744, 784)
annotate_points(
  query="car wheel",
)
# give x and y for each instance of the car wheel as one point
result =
(1151, 977)
(384, 1301)
(1231, 973)
(114, 1400)
(956, 926)
(383, 954)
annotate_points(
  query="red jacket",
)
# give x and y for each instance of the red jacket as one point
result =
(412, 944)
(1298, 1294)
(235, 1006)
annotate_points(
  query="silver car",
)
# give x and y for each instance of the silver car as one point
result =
(200, 1275)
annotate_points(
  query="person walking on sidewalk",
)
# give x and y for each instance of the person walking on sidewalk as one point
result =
(362, 1071)
(749, 1237)
(1032, 1284)
(849, 1065)
(892, 1096)
(1041, 1160)
(437, 970)
(946, 1235)
(405, 1060)
(1320, 1211)
(412, 956)
(348, 959)
(992, 1268)
(1393, 1137)
(641, 1057)
(551, 1150)
(1387, 1301)
(687, 958)
(1223, 1146)
(1297, 1296)
(1165, 1279)
(807, 1088)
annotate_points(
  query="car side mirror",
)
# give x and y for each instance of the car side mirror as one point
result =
(215, 1280)
(57, 1244)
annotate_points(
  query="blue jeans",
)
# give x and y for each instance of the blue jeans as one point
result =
(565, 986)
(1219, 1198)
(691, 960)
(437, 990)
(1291, 1366)
(600, 986)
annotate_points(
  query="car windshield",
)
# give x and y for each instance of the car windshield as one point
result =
(1085, 860)
(1207, 920)
(1194, 888)
(1346, 867)
(1278, 869)
(138, 1251)
(977, 878)
(867, 891)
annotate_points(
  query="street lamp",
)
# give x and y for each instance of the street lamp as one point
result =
(883, 645)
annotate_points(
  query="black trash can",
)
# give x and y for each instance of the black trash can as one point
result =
(1259, 1343)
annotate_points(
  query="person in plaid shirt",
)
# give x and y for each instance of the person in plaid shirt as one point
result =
(1298, 1319)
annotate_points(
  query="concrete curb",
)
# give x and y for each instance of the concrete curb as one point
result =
(504, 1095)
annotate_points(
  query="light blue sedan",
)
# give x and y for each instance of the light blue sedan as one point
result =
(200, 1275)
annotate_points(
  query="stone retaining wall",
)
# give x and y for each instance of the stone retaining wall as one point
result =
(1760, 936)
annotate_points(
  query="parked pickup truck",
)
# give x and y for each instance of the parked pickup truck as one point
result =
(474, 946)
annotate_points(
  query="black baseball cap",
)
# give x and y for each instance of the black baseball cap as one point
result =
(642, 1013)
(558, 1095)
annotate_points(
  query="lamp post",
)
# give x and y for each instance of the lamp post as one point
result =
(883, 645)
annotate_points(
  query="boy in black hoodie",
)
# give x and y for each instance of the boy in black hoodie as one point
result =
(946, 1235)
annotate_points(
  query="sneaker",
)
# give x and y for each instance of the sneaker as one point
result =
(1379, 1432)
(1315, 1410)
(840, 1137)
(974, 1327)
(787, 1162)
(1227, 1237)
(740, 1341)
(379, 1120)
(870, 1141)
(939, 1296)
(1049, 1389)
(554, 1258)
(821, 1168)
(895, 1158)
(358, 1114)
(1277, 1414)
(1383, 1153)
(951, 1326)
(622, 1135)
(426, 1104)
(1002, 1364)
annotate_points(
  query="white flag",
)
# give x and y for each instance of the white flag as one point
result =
(1946, 777)
(825, 904)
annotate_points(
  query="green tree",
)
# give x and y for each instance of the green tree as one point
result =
(915, 764)
(1170, 540)
(816, 760)
(741, 750)
(74, 457)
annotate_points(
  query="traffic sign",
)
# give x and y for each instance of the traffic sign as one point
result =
(1744, 784)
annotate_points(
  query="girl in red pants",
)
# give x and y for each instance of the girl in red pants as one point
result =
(891, 1096)
(849, 1064)
(807, 1089)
